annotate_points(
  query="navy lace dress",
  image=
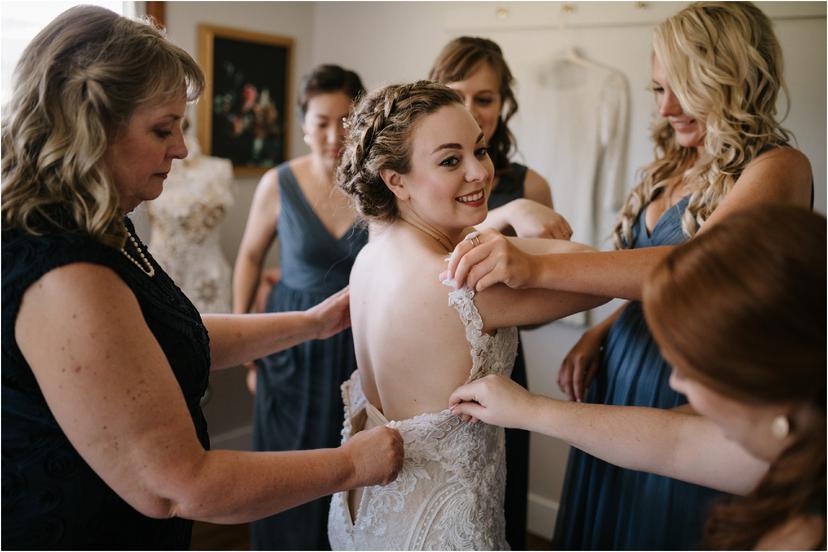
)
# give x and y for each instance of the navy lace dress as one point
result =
(611, 508)
(298, 401)
(511, 186)
(52, 499)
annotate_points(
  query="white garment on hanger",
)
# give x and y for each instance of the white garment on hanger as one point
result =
(572, 129)
(185, 221)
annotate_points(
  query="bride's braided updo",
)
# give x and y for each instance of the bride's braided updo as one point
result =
(379, 137)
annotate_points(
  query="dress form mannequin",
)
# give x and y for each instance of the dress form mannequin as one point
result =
(185, 221)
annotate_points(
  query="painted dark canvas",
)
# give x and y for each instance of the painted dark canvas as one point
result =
(247, 112)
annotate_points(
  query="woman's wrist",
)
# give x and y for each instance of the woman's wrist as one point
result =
(497, 219)
(531, 410)
(312, 325)
(344, 463)
(513, 210)
(540, 272)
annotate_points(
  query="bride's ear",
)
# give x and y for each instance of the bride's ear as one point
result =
(394, 181)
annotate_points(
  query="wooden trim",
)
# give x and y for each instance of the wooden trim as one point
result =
(205, 104)
(158, 11)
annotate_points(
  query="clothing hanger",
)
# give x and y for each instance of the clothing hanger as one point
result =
(570, 53)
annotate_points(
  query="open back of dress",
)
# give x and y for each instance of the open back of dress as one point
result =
(449, 494)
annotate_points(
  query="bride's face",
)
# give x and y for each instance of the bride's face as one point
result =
(451, 173)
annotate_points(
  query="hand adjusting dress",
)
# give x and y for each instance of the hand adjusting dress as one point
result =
(449, 494)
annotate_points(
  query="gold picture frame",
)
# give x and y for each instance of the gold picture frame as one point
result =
(245, 112)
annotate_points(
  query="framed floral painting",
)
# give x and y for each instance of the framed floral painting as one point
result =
(245, 113)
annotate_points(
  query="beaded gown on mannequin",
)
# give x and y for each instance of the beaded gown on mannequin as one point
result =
(185, 221)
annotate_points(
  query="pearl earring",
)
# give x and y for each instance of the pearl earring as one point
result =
(780, 427)
(306, 139)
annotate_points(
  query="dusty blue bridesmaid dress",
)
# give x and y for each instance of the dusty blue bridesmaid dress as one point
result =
(604, 507)
(298, 402)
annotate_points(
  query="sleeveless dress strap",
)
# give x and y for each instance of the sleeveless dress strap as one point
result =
(463, 301)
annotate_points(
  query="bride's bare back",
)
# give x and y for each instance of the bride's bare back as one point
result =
(410, 344)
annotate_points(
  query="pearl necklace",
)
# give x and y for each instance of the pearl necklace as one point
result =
(145, 266)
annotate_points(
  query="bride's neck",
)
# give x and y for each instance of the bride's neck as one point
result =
(446, 240)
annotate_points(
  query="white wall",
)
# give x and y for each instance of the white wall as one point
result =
(389, 42)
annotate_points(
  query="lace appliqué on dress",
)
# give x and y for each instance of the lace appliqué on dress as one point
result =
(449, 494)
(185, 221)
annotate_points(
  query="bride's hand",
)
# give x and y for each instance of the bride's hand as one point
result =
(496, 400)
(376, 456)
(531, 219)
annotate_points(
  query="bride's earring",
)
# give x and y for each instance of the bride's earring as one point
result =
(780, 427)
(306, 139)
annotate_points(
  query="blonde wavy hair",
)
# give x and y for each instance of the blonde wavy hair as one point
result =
(379, 137)
(724, 64)
(76, 85)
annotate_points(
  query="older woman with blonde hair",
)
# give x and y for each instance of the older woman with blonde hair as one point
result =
(716, 76)
(104, 359)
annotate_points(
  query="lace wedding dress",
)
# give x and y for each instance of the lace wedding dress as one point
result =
(185, 221)
(449, 494)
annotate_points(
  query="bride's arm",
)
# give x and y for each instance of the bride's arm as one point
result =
(546, 246)
(501, 306)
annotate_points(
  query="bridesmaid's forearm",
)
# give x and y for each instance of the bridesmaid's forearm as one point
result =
(619, 274)
(670, 443)
(636, 438)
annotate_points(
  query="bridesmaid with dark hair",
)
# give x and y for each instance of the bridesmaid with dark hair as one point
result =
(298, 404)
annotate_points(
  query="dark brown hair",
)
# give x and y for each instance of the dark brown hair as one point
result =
(741, 309)
(457, 60)
(379, 137)
(326, 79)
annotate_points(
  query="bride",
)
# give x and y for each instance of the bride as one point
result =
(416, 166)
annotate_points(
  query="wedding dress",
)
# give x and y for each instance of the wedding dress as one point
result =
(449, 493)
(185, 221)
